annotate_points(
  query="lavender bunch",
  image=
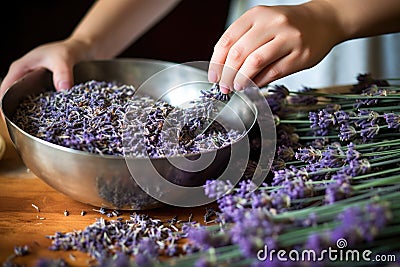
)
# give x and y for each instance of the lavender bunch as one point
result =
(336, 175)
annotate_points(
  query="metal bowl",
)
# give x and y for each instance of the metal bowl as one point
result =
(106, 181)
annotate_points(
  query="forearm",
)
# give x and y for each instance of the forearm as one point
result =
(110, 26)
(364, 18)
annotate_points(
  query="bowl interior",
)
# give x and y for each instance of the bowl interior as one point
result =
(105, 180)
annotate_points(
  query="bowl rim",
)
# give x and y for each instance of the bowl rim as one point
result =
(119, 157)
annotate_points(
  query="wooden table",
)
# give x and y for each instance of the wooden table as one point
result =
(20, 222)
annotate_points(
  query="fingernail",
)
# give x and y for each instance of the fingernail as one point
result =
(237, 87)
(224, 88)
(212, 76)
(63, 85)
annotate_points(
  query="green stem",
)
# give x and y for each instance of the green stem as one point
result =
(377, 182)
(375, 174)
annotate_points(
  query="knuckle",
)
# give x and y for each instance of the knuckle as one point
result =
(224, 42)
(255, 10)
(256, 60)
(275, 73)
(236, 52)
(281, 19)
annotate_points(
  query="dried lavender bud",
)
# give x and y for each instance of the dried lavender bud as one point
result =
(210, 213)
(105, 118)
(66, 212)
(21, 250)
(83, 213)
(102, 240)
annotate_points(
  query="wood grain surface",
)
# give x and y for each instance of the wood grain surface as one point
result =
(21, 224)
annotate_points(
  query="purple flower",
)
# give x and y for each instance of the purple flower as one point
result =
(341, 116)
(254, 231)
(331, 157)
(308, 155)
(392, 120)
(357, 167)
(369, 132)
(365, 80)
(148, 246)
(347, 132)
(204, 239)
(351, 153)
(245, 187)
(217, 188)
(326, 119)
(143, 260)
(338, 190)
(200, 237)
(313, 117)
(297, 187)
(361, 223)
(314, 242)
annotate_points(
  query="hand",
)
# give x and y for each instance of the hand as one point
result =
(270, 42)
(58, 57)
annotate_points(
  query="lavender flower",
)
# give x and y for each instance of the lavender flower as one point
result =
(368, 118)
(347, 132)
(361, 223)
(392, 120)
(253, 231)
(308, 155)
(351, 153)
(357, 167)
(204, 239)
(326, 120)
(217, 188)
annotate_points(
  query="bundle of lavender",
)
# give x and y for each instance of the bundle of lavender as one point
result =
(334, 193)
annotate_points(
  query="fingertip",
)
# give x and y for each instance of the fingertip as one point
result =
(63, 85)
(224, 88)
(237, 87)
(212, 76)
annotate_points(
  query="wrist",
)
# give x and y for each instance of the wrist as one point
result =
(83, 47)
(328, 16)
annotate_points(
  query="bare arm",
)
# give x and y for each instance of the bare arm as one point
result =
(110, 26)
(364, 18)
(105, 31)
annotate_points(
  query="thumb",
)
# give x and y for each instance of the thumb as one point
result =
(63, 78)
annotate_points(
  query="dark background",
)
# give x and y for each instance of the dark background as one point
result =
(188, 33)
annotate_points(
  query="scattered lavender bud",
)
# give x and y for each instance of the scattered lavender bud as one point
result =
(66, 212)
(21, 250)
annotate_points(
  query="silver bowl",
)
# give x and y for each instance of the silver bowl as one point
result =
(101, 180)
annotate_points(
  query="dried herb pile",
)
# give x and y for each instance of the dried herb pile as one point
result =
(109, 119)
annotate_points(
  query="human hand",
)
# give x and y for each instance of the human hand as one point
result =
(58, 57)
(269, 42)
